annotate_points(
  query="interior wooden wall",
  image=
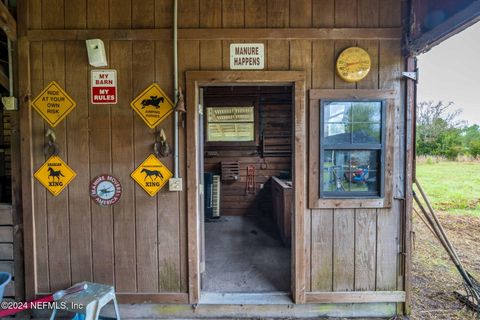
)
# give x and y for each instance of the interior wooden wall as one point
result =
(140, 244)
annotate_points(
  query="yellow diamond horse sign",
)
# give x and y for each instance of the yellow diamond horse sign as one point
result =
(53, 104)
(151, 175)
(55, 175)
(152, 105)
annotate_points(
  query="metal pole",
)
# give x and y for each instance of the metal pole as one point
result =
(175, 84)
(10, 64)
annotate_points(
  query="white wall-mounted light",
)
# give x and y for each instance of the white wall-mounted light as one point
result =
(96, 53)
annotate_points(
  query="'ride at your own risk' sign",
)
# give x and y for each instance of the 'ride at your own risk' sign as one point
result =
(103, 87)
(55, 175)
(152, 105)
(53, 104)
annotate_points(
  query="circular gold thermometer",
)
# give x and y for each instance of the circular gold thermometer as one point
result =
(353, 64)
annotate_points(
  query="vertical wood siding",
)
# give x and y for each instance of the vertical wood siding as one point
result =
(139, 245)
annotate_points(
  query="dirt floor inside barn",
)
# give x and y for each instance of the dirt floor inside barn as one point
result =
(435, 277)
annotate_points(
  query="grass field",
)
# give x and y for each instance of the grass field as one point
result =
(453, 187)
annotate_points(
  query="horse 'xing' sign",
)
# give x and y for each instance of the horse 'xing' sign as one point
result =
(103, 87)
(151, 175)
(53, 104)
(152, 105)
(247, 56)
(55, 175)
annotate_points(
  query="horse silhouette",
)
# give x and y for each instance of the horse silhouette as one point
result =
(154, 101)
(55, 174)
(152, 174)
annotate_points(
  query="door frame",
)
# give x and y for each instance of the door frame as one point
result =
(197, 79)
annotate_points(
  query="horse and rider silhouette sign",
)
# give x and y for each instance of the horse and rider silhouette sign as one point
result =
(151, 175)
(55, 175)
(153, 105)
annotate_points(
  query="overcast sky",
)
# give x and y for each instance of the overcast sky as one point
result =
(451, 72)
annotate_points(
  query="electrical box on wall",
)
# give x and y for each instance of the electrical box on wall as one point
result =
(175, 184)
(96, 53)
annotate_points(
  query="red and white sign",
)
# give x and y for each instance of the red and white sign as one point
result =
(104, 87)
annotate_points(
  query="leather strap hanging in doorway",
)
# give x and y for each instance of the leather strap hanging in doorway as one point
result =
(250, 189)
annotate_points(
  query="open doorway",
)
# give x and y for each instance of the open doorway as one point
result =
(246, 134)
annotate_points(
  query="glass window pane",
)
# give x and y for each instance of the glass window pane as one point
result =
(346, 171)
(366, 133)
(337, 112)
(230, 132)
(368, 111)
(337, 133)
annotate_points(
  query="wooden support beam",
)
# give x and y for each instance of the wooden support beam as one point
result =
(356, 297)
(219, 34)
(8, 23)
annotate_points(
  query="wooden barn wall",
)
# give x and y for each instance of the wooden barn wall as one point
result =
(139, 245)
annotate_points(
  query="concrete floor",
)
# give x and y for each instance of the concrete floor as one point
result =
(245, 254)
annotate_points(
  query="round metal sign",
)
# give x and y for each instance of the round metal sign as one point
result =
(105, 190)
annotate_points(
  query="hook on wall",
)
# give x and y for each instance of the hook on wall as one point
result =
(161, 148)
(50, 148)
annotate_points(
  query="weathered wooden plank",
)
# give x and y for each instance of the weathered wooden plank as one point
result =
(120, 14)
(210, 13)
(356, 297)
(39, 192)
(301, 13)
(6, 234)
(388, 225)
(345, 13)
(211, 55)
(323, 13)
(7, 266)
(6, 251)
(8, 23)
(323, 64)
(390, 13)
(368, 13)
(35, 14)
(278, 13)
(145, 206)
(341, 45)
(57, 207)
(301, 58)
(188, 14)
(53, 14)
(78, 154)
(371, 80)
(343, 250)
(322, 250)
(233, 13)
(163, 14)
(278, 55)
(100, 138)
(365, 249)
(143, 15)
(75, 14)
(123, 165)
(6, 214)
(96, 14)
(191, 33)
(255, 13)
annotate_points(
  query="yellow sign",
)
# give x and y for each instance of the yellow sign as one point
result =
(151, 175)
(153, 105)
(53, 104)
(55, 175)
